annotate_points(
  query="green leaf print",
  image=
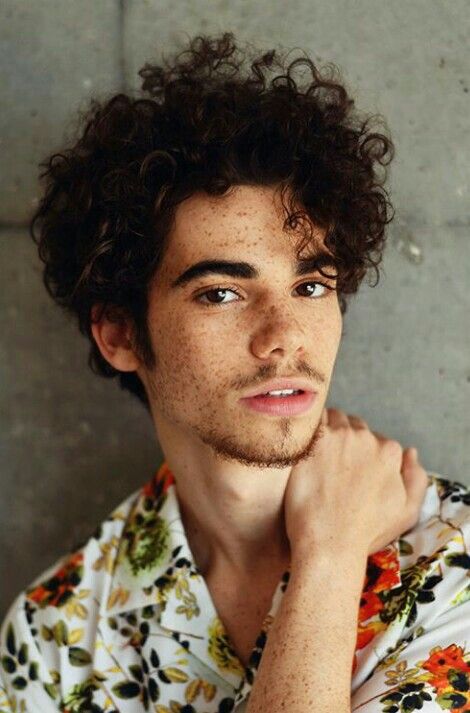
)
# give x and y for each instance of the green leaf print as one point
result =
(79, 698)
(46, 633)
(11, 643)
(154, 690)
(405, 547)
(409, 697)
(136, 672)
(459, 680)
(8, 664)
(19, 683)
(458, 559)
(33, 671)
(51, 690)
(449, 701)
(78, 656)
(461, 597)
(23, 654)
(60, 633)
(126, 689)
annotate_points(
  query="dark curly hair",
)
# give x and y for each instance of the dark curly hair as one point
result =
(205, 125)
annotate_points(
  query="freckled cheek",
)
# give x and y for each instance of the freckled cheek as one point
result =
(323, 340)
(195, 358)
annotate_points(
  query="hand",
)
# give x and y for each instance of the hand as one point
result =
(359, 489)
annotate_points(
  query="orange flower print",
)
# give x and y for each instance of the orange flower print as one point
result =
(383, 569)
(382, 572)
(369, 606)
(442, 661)
(159, 484)
(58, 589)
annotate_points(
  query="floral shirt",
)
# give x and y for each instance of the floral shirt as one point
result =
(126, 622)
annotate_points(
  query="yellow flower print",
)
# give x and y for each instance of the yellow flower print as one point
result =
(219, 648)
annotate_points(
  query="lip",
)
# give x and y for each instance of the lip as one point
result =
(280, 383)
(281, 405)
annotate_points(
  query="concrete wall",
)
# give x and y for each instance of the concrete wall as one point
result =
(73, 445)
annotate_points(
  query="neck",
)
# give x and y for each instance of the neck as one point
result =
(233, 514)
(243, 537)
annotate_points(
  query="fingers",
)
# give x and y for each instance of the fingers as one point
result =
(337, 418)
(380, 436)
(357, 422)
(415, 480)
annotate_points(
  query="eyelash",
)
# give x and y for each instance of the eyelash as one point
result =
(232, 289)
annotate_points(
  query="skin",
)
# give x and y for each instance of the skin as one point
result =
(207, 357)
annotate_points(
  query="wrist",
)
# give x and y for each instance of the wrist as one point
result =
(310, 556)
(334, 577)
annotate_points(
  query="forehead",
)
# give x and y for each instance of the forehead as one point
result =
(248, 218)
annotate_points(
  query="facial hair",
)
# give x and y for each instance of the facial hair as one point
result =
(261, 455)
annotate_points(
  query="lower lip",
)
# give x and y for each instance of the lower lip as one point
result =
(281, 405)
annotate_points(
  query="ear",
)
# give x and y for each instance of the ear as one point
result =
(113, 336)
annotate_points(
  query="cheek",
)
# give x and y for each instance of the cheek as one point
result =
(193, 356)
(333, 324)
(326, 337)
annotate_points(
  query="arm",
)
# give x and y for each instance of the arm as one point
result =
(307, 660)
(355, 494)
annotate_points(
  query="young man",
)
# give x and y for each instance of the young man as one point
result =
(283, 556)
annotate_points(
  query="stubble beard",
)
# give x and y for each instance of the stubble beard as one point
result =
(268, 452)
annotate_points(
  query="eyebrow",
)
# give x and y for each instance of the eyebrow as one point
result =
(247, 271)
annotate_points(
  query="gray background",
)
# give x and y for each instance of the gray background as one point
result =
(73, 445)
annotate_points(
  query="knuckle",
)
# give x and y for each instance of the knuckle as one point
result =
(358, 420)
(394, 446)
(335, 412)
(395, 443)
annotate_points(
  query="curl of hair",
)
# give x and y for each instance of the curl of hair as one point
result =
(202, 124)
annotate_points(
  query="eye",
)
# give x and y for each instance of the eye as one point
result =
(224, 290)
(212, 292)
(317, 284)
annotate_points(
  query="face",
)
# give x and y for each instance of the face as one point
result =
(216, 336)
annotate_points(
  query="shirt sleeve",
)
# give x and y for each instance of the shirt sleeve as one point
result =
(428, 671)
(428, 666)
(25, 682)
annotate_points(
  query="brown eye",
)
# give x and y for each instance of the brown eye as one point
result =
(214, 291)
(317, 284)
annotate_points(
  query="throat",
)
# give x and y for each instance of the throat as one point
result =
(243, 607)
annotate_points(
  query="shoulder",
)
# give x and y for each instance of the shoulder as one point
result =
(424, 621)
(444, 517)
(58, 612)
(435, 553)
(86, 567)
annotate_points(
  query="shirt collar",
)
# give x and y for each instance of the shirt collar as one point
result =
(153, 550)
(155, 565)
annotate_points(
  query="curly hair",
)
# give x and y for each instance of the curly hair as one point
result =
(203, 124)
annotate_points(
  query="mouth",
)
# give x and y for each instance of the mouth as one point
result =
(296, 402)
(281, 386)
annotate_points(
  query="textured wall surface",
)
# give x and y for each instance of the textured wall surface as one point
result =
(73, 445)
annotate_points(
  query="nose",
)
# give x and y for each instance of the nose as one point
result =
(280, 331)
